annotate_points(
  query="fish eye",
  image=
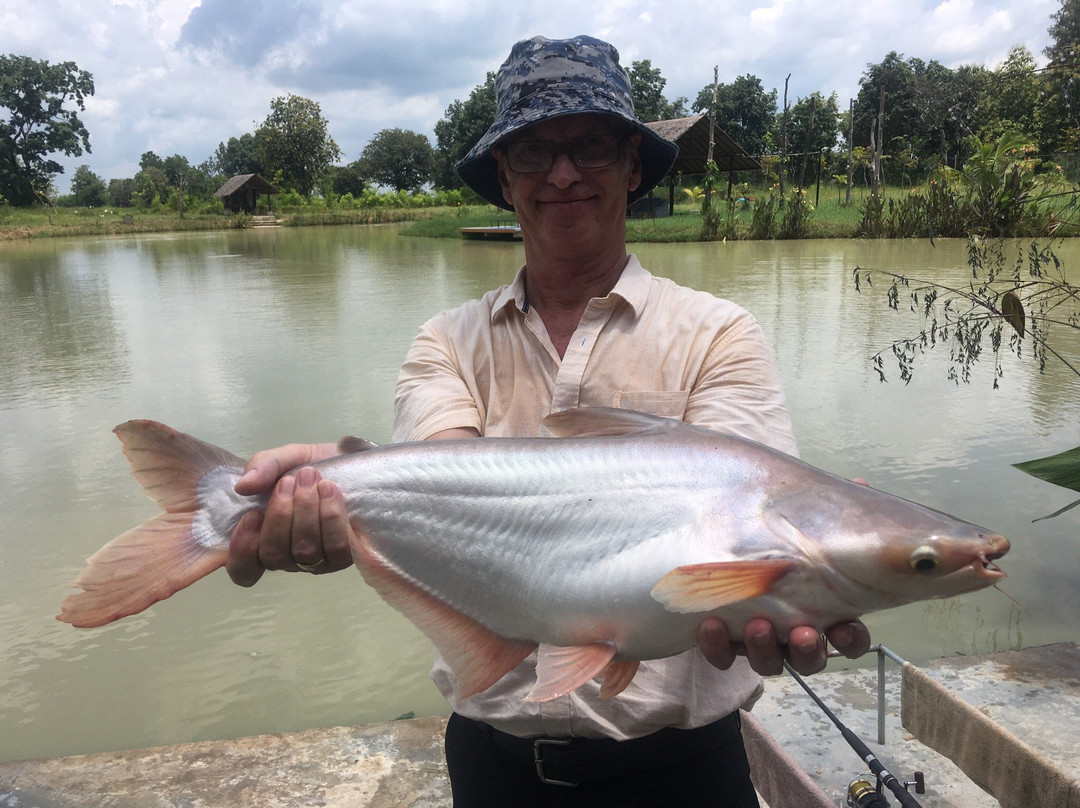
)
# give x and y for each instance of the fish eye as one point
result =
(924, 559)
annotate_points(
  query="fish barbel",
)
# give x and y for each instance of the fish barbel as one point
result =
(602, 547)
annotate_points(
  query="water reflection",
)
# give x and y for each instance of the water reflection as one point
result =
(253, 338)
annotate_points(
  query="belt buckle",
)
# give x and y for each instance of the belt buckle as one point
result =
(538, 757)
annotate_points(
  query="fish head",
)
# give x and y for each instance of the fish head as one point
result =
(885, 551)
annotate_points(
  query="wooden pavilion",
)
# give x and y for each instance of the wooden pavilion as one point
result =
(691, 135)
(241, 193)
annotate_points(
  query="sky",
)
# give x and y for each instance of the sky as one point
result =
(182, 76)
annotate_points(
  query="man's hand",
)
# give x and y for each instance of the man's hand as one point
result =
(804, 649)
(306, 520)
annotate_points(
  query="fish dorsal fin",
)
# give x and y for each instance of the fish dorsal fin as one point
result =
(350, 444)
(617, 676)
(705, 587)
(561, 670)
(598, 422)
(477, 655)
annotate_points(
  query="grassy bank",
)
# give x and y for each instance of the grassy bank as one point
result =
(22, 223)
(829, 219)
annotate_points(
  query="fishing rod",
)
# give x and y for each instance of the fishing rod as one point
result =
(876, 766)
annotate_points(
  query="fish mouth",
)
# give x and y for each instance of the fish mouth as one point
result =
(985, 564)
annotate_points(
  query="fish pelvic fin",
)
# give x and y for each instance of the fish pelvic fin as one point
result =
(561, 670)
(705, 587)
(161, 556)
(137, 569)
(477, 656)
(617, 677)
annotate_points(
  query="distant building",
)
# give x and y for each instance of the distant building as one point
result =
(240, 194)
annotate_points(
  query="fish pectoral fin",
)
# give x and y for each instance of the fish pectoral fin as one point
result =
(704, 587)
(477, 656)
(617, 676)
(563, 669)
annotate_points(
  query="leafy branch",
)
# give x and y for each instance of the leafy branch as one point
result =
(1024, 297)
(1004, 303)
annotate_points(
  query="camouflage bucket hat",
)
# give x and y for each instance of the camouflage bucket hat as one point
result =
(549, 78)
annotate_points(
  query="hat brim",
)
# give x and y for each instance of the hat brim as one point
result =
(480, 172)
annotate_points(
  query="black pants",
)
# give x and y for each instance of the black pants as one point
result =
(685, 768)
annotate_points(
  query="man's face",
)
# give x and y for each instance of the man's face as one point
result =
(566, 203)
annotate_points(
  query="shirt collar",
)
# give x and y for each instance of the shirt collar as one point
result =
(632, 287)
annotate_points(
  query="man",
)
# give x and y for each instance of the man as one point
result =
(583, 324)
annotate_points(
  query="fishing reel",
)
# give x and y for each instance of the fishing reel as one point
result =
(861, 793)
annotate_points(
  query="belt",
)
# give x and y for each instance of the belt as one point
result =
(576, 761)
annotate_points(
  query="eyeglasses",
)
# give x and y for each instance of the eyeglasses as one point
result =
(537, 156)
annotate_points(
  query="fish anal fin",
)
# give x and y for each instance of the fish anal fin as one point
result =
(561, 670)
(705, 587)
(617, 676)
(137, 569)
(477, 655)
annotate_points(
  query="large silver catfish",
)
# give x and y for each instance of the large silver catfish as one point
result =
(603, 547)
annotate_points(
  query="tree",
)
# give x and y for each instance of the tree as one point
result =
(399, 159)
(463, 124)
(120, 192)
(238, 156)
(151, 185)
(295, 142)
(1010, 97)
(743, 110)
(87, 188)
(150, 160)
(350, 179)
(1059, 114)
(813, 129)
(647, 90)
(36, 122)
(930, 111)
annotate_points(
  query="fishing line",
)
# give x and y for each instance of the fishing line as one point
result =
(876, 766)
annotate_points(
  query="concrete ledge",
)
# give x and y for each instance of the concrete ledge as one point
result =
(380, 765)
(1034, 693)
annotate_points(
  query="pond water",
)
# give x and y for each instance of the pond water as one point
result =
(254, 338)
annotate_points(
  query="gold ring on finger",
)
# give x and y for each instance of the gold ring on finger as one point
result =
(312, 567)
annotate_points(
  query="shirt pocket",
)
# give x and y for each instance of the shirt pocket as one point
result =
(666, 403)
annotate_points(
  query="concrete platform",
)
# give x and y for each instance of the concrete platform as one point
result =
(1035, 693)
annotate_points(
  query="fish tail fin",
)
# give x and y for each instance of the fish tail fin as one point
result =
(161, 556)
(137, 569)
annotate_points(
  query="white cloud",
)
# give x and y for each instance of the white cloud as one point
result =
(180, 76)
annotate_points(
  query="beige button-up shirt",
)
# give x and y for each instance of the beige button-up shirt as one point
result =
(649, 345)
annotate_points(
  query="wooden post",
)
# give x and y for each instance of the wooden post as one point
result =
(850, 150)
(806, 143)
(783, 142)
(879, 151)
(712, 112)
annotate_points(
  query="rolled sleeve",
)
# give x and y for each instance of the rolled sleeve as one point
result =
(432, 394)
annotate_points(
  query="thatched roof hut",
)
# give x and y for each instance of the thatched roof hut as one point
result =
(241, 193)
(692, 137)
(691, 134)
